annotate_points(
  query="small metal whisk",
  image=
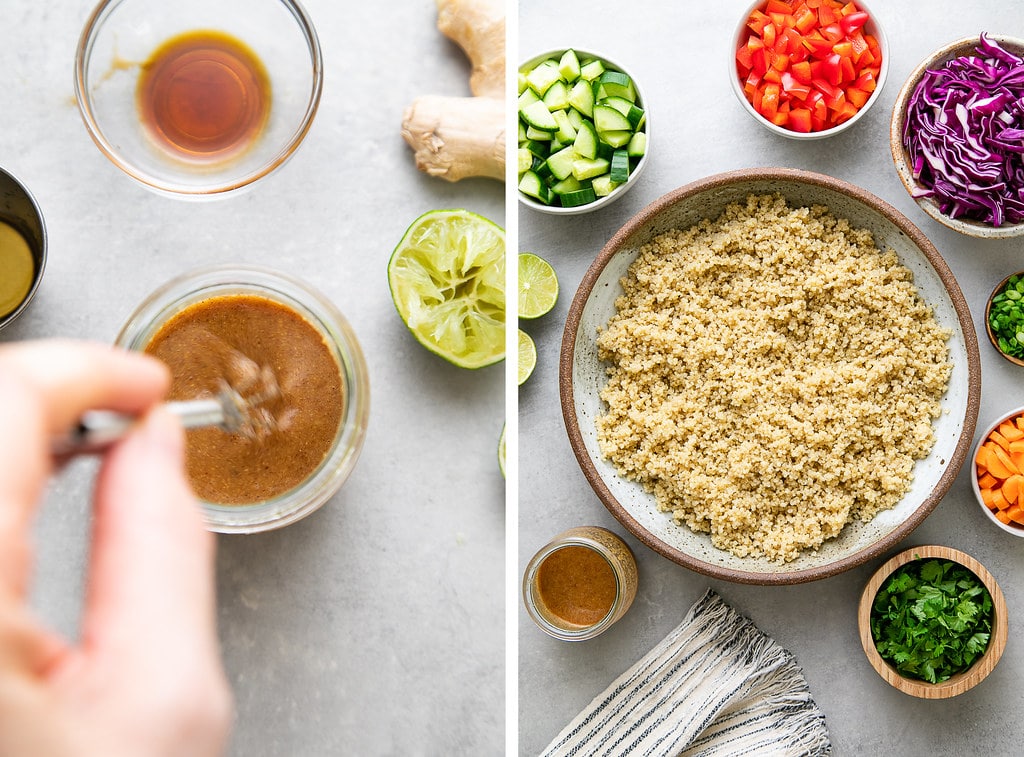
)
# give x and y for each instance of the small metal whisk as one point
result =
(98, 429)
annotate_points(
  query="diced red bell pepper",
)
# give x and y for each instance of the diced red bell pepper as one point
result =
(808, 65)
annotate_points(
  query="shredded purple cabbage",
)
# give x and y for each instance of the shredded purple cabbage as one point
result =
(964, 132)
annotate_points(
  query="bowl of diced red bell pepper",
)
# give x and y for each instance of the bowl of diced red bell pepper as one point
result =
(808, 69)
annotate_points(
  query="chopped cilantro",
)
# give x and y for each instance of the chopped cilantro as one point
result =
(931, 619)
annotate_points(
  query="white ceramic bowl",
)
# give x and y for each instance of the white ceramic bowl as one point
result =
(1010, 528)
(936, 60)
(871, 27)
(621, 190)
(582, 375)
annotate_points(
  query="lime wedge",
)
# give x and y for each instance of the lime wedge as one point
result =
(527, 356)
(501, 451)
(447, 279)
(538, 286)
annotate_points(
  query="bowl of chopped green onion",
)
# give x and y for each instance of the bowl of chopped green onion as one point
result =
(933, 622)
(584, 130)
(1004, 318)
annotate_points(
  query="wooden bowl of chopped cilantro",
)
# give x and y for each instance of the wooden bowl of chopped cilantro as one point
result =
(933, 622)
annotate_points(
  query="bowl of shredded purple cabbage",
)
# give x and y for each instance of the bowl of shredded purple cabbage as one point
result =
(957, 136)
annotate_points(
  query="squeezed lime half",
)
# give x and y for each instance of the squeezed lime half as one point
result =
(447, 279)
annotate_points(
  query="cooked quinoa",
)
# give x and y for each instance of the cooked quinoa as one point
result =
(772, 376)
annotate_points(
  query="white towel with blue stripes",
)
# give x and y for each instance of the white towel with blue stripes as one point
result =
(715, 686)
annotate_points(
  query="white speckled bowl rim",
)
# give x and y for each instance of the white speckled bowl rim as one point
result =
(582, 375)
(960, 47)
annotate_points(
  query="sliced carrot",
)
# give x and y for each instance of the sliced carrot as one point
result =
(1017, 446)
(1001, 440)
(1015, 513)
(1011, 488)
(987, 481)
(999, 500)
(1019, 420)
(988, 497)
(1000, 465)
(1002, 517)
(982, 458)
(1010, 431)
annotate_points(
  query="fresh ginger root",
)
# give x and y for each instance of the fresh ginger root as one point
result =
(459, 137)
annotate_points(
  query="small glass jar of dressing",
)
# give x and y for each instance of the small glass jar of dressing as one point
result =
(248, 491)
(22, 247)
(580, 583)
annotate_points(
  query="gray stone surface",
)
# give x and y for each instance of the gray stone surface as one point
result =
(376, 625)
(681, 54)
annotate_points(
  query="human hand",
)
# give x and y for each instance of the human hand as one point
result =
(145, 679)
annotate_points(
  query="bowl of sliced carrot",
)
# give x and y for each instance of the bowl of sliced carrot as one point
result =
(998, 480)
(808, 69)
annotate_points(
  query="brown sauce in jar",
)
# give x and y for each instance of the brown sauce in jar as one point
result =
(238, 340)
(576, 585)
(204, 95)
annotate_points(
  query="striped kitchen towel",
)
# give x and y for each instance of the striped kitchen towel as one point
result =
(715, 686)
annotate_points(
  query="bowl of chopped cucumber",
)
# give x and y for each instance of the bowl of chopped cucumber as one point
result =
(584, 131)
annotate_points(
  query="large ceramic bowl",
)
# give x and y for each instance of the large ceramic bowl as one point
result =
(946, 53)
(582, 374)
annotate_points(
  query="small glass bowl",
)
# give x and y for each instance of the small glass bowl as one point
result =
(988, 327)
(872, 27)
(319, 312)
(19, 210)
(121, 35)
(618, 556)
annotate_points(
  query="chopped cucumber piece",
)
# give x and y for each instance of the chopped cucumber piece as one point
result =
(581, 97)
(525, 159)
(522, 83)
(543, 76)
(618, 84)
(531, 184)
(586, 141)
(566, 133)
(538, 116)
(522, 130)
(527, 98)
(606, 118)
(616, 138)
(603, 185)
(619, 171)
(637, 147)
(561, 162)
(575, 118)
(633, 114)
(568, 184)
(583, 196)
(557, 96)
(591, 70)
(569, 66)
(540, 149)
(588, 168)
(539, 135)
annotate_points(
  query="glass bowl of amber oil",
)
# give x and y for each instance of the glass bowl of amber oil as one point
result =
(293, 359)
(580, 583)
(198, 98)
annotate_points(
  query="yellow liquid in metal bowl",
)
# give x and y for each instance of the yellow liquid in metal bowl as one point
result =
(17, 267)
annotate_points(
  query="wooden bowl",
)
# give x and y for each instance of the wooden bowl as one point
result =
(962, 681)
(988, 328)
